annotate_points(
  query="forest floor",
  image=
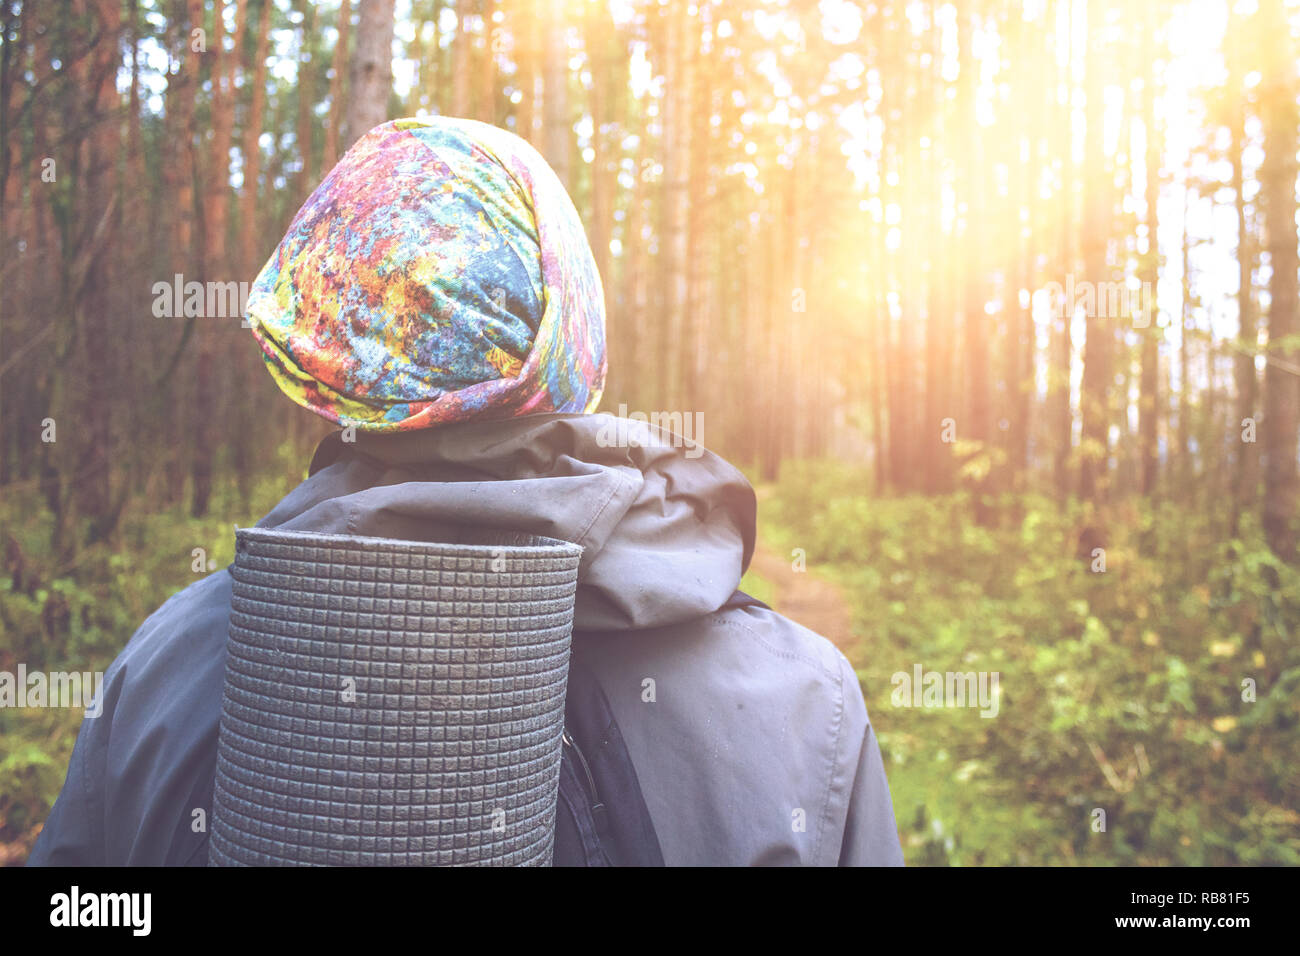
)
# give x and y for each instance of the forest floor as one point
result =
(804, 597)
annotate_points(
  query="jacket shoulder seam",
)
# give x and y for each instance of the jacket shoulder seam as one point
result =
(780, 652)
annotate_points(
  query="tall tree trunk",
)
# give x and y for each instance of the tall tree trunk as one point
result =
(903, 397)
(306, 100)
(1246, 473)
(331, 155)
(675, 238)
(1020, 340)
(1277, 196)
(250, 247)
(701, 269)
(525, 29)
(976, 336)
(371, 81)
(557, 124)
(626, 345)
(180, 177)
(216, 198)
(438, 83)
(1094, 402)
(486, 100)
(461, 60)
(935, 454)
(1186, 466)
(222, 111)
(598, 29)
(1059, 415)
(1148, 399)
(92, 302)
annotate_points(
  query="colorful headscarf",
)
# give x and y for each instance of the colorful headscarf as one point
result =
(438, 274)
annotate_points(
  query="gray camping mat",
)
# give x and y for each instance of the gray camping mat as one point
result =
(393, 703)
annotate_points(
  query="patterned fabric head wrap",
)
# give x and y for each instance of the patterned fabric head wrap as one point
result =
(438, 274)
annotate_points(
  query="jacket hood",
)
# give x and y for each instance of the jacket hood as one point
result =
(667, 528)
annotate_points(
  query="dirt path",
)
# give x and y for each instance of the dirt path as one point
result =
(802, 596)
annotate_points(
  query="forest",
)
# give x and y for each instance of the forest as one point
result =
(996, 303)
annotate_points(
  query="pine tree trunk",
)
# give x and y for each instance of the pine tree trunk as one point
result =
(306, 101)
(1277, 195)
(251, 246)
(977, 334)
(461, 60)
(1060, 418)
(676, 197)
(486, 106)
(344, 28)
(1149, 399)
(371, 81)
(1246, 473)
(557, 124)
(524, 26)
(1097, 386)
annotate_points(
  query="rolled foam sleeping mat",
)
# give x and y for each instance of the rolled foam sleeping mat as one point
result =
(393, 703)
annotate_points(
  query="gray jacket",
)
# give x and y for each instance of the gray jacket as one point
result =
(748, 732)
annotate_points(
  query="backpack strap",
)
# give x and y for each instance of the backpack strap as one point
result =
(601, 818)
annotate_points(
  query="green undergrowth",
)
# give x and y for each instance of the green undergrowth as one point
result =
(1124, 695)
